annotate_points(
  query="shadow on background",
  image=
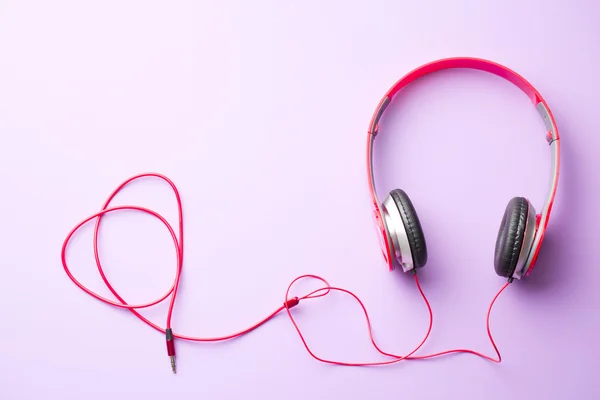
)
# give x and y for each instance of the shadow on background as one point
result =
(561, 251)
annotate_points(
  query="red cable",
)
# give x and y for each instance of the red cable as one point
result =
(398, 358)
(287, 305)
(489, 332)
(179, 250)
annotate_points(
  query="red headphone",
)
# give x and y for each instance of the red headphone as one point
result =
(402, 240)
(521, 231)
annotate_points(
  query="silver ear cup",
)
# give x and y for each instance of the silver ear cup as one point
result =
(397, 233)
(528, 236)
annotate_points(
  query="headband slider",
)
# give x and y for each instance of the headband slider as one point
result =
(551, 129)
(374, 123)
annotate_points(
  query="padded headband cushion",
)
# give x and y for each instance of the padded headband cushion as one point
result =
(414, 232)
(510, 236)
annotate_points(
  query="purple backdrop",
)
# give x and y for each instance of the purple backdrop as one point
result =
(258, 111)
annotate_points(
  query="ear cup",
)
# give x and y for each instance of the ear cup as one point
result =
(414, 232)
(511, 236)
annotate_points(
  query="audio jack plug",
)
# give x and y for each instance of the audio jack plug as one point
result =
(171, 349)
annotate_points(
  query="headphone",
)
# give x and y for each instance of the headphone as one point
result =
(521, 230)
(402, 240)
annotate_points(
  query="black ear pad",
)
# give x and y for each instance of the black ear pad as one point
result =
(414, 232)
(510, 236)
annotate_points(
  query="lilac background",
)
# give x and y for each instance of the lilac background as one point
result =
(258, 111)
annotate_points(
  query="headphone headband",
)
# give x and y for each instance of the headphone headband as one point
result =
(552, 136)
